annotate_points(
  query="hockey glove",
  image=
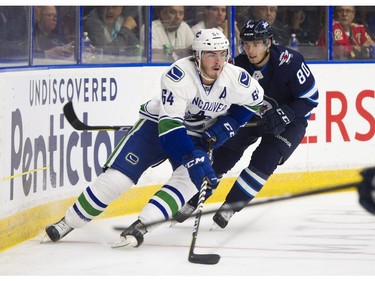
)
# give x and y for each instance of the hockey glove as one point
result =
(277, 119)
(224, 128)
(366, 190)
(199, 167)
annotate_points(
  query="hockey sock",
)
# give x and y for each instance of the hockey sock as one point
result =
(95, 198)
(245, 188)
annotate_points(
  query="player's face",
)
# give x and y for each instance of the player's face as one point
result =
(212, 63)
(255, 50)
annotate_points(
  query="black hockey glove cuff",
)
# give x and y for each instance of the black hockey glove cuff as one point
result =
(276, 119)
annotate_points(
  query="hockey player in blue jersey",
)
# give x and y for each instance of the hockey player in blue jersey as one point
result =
(201, 97)
(290, 94)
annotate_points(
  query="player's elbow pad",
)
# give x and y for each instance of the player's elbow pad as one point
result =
(240, 113)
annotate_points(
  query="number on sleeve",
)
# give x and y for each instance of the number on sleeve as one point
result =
(167, 98)
(255, 94)
(302, 73)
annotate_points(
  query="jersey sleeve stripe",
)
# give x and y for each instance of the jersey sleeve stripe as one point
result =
(311, 95)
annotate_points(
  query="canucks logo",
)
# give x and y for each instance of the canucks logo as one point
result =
(132, 158)
(175, 73)
(244, 79)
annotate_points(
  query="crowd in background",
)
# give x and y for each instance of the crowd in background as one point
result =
(120, 33)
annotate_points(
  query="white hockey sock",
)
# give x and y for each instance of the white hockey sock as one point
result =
(168, 200)
(96, 197)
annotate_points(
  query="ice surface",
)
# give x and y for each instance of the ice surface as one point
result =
(328, 235)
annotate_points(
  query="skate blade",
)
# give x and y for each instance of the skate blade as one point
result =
(129, 240)
(45, 239)
(215, 226)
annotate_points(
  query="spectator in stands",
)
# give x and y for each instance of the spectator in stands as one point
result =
(46, 41)
(215, 16)
(13, 32)
(171, 35)
(295, 18)
(366, 15)
(67, 23)
(269, 13)
(350, 40)
(242, 15)
(110, 31)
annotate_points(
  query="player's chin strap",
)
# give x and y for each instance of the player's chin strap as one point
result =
(198, 64)
(267, 53)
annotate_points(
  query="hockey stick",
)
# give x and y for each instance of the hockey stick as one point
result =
(194, 257)
(77, 124)
(365, 189)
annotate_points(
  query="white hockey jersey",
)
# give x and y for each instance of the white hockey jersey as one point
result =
(185, 101)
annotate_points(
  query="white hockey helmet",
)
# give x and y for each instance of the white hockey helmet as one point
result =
(211, 39)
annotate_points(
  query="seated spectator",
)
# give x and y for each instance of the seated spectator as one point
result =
(215, 16)
(46, 40)
(242, 15)
(171, 35)
(67, 23)
(13, 32)
(295, 18)
(269, 13)
(350, 40)
(110, 31)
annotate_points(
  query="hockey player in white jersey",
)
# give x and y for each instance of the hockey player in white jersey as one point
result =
(201, 97)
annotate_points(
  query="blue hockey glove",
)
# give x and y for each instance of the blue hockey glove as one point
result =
(224, 128)
(199, 167)
(276, 119)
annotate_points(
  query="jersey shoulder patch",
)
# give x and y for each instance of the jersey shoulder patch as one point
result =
(244, 79)
(175, 74)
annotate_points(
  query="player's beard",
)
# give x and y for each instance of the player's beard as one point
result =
(211, 74)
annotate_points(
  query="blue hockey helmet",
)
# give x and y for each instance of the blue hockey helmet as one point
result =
(255, 30)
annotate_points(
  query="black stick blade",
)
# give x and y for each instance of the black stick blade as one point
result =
(71, 116)
(77, 124)
(204, 258)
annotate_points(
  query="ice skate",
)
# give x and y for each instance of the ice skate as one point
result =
(132, 236)
(183, 214)
(57, 230)
(223, 215)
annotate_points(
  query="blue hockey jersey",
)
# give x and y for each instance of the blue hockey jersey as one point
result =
(286, 79)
